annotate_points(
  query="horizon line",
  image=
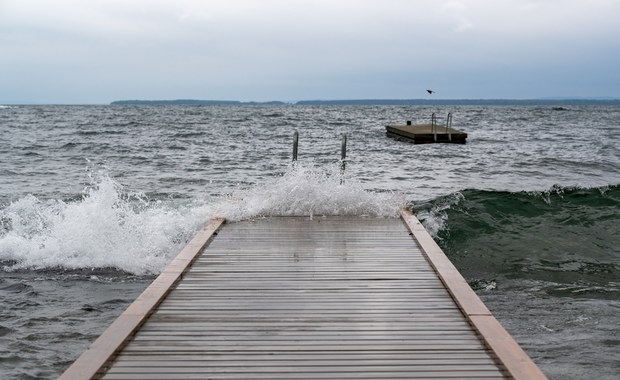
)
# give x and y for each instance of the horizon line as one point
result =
(319, 100)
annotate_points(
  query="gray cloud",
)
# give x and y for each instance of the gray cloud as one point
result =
(97, 51)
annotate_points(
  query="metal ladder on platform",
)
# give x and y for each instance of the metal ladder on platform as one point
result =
(343, 153)
(448, 126)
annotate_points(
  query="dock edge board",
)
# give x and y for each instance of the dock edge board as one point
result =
(112, 340)
(506, 350)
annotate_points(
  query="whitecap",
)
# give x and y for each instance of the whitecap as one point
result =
(110, 227)
(306, 190)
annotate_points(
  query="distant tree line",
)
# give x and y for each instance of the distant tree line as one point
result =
(464, 102)
(190, 102)
(391, 102)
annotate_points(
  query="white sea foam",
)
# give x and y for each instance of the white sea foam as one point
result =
(106, 228)
(435, 217)
(109, 227)
(308, 191)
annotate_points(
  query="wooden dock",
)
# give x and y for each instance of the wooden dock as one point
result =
(301, 298)
(426, 134)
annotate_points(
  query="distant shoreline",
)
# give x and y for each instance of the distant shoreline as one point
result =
(192, 102)
(391, 102)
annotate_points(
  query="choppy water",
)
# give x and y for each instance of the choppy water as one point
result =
(95, 200)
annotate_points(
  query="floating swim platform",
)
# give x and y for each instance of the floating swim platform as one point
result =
(427, 133)
(307, 298)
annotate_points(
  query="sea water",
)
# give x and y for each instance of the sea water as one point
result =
(95, 200)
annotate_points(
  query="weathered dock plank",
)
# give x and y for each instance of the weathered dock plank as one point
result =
(322, 298)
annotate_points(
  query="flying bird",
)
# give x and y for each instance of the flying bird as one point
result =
(430, 91)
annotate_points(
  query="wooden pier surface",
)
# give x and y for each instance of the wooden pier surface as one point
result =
(301, 298)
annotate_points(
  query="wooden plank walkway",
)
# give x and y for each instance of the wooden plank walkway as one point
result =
(300, 298)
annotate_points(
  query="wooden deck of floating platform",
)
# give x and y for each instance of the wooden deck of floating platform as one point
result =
(424, 134)
(300, 298)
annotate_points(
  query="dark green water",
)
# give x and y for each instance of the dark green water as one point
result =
(547, 264)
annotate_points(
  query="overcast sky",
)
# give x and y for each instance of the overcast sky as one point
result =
(94, 51)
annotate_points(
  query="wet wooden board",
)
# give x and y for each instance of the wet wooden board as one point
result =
(301, 298)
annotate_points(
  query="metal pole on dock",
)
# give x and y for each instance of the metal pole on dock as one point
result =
(434, 125)
(295, 144)
(449, 126)
(343, 157)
